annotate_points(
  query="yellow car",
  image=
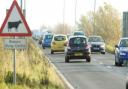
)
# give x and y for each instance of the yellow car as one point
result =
(58, 43)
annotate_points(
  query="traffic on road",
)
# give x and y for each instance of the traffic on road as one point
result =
(81, 55)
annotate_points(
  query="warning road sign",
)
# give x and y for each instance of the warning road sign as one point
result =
(15, 23)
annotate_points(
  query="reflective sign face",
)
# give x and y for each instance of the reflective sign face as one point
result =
(15, 23)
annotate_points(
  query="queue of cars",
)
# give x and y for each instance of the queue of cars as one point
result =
(78, 45)
(75, 46)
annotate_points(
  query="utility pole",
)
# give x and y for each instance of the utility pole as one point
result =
(25, 8)
(94, 29)
(75, 13)
(21, 4)
(64, 16)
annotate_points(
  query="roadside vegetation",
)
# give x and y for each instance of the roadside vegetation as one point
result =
(32, 69)
(107, 24)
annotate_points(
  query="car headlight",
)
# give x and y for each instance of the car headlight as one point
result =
(102, 46)
(122, 53)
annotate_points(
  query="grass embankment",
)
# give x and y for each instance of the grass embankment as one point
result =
(33, 70)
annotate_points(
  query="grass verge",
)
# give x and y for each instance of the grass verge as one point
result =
(32, 69)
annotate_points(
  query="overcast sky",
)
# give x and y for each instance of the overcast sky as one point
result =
(50, 12)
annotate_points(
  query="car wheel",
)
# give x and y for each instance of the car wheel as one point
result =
(117, 63)
(127, 85)
(43, 47)
(102, 52)
(66, 58)
(52, 52)
(88, 59)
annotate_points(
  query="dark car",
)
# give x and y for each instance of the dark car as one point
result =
(40, 40)
(77, 47)
(46, 42)
(121, 52)
(97, 44)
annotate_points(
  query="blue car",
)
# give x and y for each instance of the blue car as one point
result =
(121, 52)
(46, 42)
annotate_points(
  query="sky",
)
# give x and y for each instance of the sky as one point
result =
(50, 12)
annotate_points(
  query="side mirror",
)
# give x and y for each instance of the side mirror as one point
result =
(116, 46)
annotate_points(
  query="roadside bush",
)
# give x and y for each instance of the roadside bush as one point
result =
(110, 49)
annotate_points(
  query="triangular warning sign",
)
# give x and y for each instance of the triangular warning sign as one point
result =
(15, 23)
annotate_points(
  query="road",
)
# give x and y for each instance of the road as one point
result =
(99, 74)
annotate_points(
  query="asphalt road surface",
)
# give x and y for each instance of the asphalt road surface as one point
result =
(100, 73)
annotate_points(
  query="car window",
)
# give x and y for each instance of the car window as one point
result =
(48, 36)
(77, 41)
(59, 38)
(95, 39)
(124, 43)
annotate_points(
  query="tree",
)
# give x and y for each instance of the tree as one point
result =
(63, 29)
(107, 23)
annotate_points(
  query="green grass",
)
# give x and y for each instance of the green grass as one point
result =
(32, 69)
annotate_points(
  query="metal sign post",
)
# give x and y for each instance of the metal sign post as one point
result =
(14, 67)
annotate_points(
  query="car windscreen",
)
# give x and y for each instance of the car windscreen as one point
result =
(48, 36)
(77, 41)
(124, 43)
(59, 38)
(95, 39)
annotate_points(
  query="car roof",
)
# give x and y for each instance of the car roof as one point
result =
(48, 34)
(94, 36)
(59, 35)
(124, 38)
(77, 36)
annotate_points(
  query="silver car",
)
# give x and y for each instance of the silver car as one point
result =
(97, 44)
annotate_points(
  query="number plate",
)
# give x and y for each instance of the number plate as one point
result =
(78, 54)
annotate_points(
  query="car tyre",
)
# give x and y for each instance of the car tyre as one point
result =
(66, 59)
(43, 47)
(88, 59)
(102, 52)
(117, 63)
(52, 52)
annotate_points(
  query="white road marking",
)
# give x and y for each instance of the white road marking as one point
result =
(101, 63)
(109, 67)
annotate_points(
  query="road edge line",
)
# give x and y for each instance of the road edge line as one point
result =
(65, 81)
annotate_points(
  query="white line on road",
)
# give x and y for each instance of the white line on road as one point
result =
(61, 75)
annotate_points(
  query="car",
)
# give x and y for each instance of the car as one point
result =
(78, 33)
(121, 51)
(97, 44)
(40, 40)
(77, 48)
(58, 43)
(46, 42)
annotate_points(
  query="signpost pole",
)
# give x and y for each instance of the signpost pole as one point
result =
(14, 67)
